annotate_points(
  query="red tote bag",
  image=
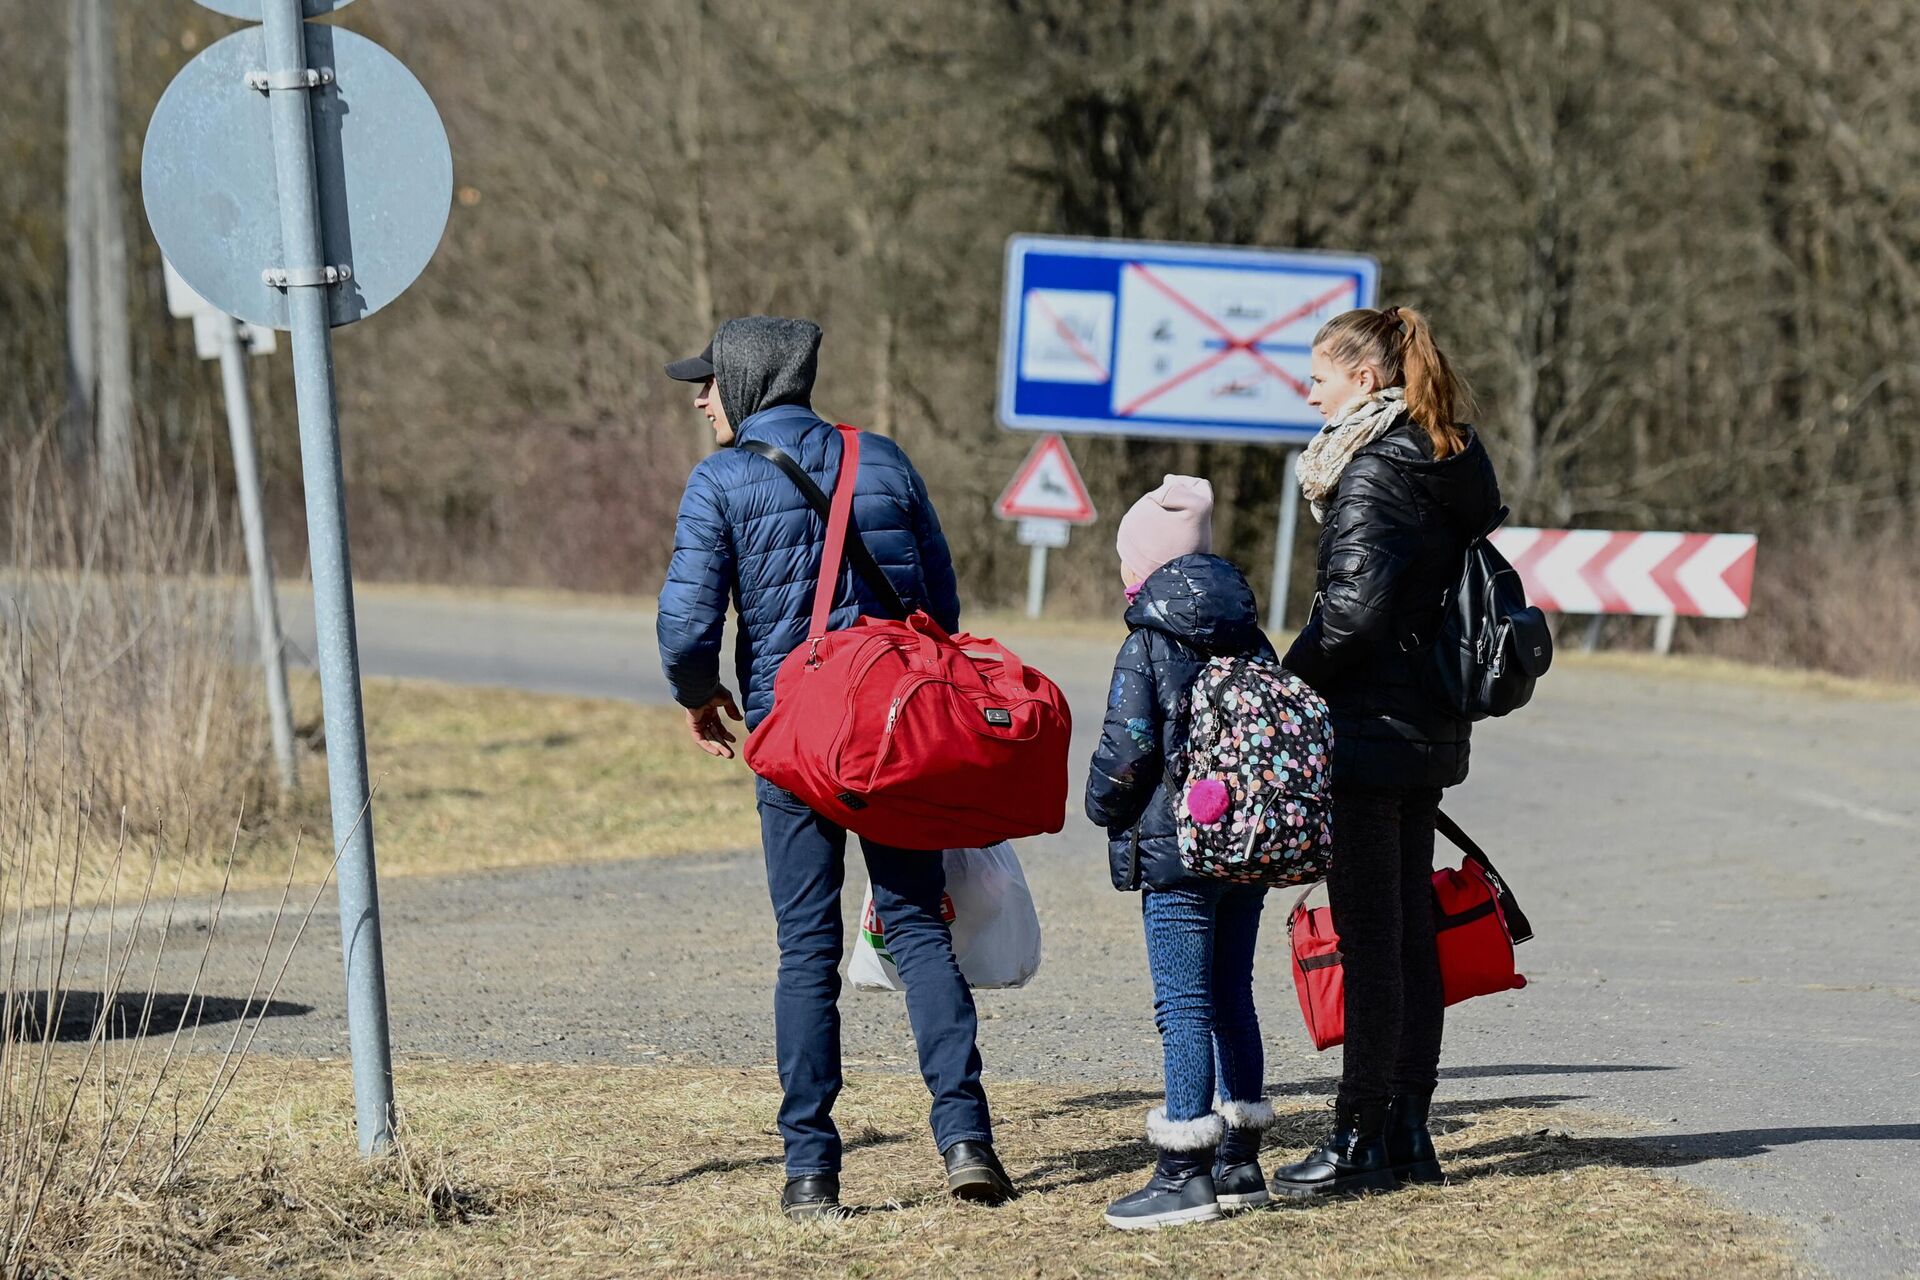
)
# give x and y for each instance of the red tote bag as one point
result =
(906, 735)
(1476, 924)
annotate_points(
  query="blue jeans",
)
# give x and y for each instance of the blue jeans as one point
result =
(1200, 942)
(806, 867)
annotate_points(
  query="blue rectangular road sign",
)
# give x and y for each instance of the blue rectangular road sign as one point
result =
(1180, 341)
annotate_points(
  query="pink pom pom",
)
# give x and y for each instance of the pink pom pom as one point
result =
(1207, 801)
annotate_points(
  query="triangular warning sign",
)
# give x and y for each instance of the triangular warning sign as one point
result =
(1047, 487)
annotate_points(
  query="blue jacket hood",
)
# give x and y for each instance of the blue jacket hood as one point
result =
(1200, 600)
(1190, 611)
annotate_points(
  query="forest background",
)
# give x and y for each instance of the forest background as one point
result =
(1673, 243)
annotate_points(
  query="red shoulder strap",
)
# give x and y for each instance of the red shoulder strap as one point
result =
(840, 516)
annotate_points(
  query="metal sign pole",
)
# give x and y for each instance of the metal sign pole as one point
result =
(1036, 582)
(266, 610)
(1283, 547)
(338, 658)
(1663, 634)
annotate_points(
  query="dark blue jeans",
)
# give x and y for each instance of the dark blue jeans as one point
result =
(1200, 944)
(806, 867)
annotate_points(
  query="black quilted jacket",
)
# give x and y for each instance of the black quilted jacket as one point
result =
(1191, 610)
(1393, 544)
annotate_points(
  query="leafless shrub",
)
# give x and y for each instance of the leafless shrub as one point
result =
(118, 654)
(84, 1121)
(1850, 605)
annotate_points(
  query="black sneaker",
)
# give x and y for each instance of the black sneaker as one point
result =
(1180, 1191)
(1352, 1161)
(974, 1174)
(812, 1197)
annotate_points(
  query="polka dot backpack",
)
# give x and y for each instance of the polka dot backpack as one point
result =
(1257, 806)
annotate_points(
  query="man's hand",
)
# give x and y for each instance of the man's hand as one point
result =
(710, 732)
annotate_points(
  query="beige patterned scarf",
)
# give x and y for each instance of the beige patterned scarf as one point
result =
(1352, 429)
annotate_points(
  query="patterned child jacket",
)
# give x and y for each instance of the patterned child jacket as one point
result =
(1190, 611)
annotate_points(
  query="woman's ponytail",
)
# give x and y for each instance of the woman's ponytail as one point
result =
(1436, 397)
(1398, 343)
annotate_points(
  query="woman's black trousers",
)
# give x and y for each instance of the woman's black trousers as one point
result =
(1380, 883)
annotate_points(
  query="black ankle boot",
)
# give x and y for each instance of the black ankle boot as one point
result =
(975, 1174)
(812, 1196)
(1181, 1190)
(1237, 1180)
(1237, 1175)
(1410, 1150)
(1352, 1160)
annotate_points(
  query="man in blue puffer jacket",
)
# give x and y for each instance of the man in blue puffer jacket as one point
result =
(746, 534)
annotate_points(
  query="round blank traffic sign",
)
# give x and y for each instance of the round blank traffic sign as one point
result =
(384, 173)
(250, 9)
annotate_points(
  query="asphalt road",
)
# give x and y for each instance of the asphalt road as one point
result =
(1721, 876)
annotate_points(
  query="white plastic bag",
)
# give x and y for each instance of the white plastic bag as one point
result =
(996, 932)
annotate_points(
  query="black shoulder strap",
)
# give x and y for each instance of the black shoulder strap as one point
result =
(857, 554)
(1517, 923)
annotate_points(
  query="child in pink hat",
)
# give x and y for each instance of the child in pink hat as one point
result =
(1186, 606)
(1174, 520)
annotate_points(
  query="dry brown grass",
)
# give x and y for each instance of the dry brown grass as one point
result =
(94, 1110)
(470, 779)
(481, 778)
(123, 703)
(578, 1172)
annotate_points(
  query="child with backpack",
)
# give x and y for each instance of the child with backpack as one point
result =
(1197, 838)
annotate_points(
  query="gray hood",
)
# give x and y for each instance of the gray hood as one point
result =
(762, 361)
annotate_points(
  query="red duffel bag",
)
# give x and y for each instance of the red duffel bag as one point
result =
(904, 734)
(1476, 924)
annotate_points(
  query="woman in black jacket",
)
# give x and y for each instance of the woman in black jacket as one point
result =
(1400, 487)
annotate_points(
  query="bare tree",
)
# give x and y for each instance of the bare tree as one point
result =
(99, 414)
(82, 337)
(114, 407)
(1670, 241)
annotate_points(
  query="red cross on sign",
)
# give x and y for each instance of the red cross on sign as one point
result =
(1169, 341)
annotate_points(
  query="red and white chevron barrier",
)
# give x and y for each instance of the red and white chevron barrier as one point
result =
(1689, 575)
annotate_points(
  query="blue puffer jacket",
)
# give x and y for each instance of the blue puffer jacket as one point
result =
(746, 534)
(1191, 610)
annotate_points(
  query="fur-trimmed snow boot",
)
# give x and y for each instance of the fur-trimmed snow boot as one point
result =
(1238, 1181)
(1181, 1189)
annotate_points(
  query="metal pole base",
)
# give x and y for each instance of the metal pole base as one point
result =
(1283, 539)
(1663, 634)
(1037, 582)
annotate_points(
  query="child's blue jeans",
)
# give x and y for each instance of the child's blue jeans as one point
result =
(1200, 942)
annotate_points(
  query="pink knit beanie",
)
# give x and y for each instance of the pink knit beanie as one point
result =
(1174, 520)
